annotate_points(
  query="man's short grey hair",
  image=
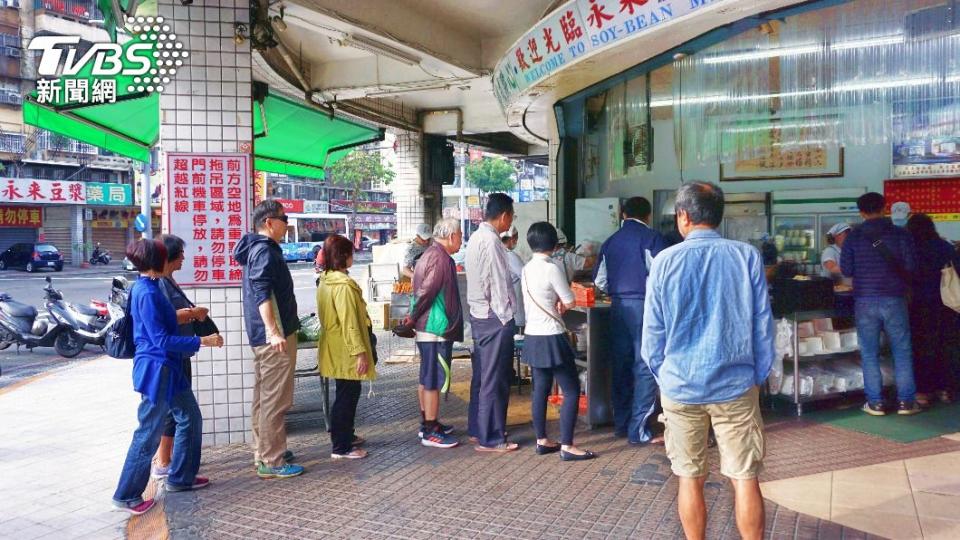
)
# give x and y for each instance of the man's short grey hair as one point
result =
(702, 202)
(446, 228)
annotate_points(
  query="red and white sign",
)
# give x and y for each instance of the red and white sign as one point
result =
(209, 207)
(291, 206)
(29, 191)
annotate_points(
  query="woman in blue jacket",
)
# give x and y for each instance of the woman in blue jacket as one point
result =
(164, 388)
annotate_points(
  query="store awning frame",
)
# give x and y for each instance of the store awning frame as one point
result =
(314, 132)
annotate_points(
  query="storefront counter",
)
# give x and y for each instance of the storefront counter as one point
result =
(595, 357)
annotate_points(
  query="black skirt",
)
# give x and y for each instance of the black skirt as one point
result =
(547, 351)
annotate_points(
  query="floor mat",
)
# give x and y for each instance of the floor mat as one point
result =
(939, 420)
(518, 411)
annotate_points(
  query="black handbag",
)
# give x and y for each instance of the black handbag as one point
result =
(373, 345)
(205, 327)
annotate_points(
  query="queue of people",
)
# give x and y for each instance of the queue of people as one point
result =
(704, 362)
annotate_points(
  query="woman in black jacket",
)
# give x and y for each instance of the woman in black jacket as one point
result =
(933, 326)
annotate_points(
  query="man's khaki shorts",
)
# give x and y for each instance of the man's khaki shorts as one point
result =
(737, 425)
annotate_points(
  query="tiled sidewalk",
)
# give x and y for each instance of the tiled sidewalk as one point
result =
(65, 434)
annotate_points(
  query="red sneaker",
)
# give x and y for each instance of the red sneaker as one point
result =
(141, 508)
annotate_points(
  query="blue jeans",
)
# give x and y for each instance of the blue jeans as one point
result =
(634, 390)
(185, 461)
(890, 315)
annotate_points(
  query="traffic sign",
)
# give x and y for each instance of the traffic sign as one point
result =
(141, 222)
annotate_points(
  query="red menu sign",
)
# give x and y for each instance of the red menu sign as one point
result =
(209, 207)
(928, 196)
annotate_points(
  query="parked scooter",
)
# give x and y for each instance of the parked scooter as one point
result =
(86, 324)
(100, 256)
(23, 325)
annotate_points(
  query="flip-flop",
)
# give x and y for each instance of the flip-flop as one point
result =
(501, 448)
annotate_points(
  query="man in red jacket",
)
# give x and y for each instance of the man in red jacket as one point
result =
(437, 317)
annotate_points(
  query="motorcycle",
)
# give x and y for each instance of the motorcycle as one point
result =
(100, 256)
(87, 325)
(24, 325)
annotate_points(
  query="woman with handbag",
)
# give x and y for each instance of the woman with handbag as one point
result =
(192, 321)
(158, 377)
(547, 349)
(346, 348)
(933, 326)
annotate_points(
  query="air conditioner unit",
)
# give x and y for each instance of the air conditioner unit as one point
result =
(12, 51)
(16, 99)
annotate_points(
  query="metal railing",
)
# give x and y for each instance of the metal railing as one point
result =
(85, 10)
(11, 142)
(49, 141)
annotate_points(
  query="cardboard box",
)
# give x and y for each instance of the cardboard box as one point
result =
(379, 315)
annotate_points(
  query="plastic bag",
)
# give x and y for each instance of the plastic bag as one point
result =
(309, 328)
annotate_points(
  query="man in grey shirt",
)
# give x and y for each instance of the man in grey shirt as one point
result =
(418, 246)
(492, 307)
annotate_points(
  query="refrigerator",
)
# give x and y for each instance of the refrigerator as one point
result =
(801, 221)
(596, 219)
(746, 217)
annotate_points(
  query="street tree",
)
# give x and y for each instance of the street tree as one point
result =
(358, 169)
(491, 175)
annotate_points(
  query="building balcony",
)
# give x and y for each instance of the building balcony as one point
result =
(71, 9)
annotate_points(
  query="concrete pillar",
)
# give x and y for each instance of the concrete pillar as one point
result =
(416, 202)
(207, 108)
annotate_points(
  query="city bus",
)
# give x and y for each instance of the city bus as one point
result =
(306, 233)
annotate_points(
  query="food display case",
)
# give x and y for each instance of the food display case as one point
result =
(796, 238)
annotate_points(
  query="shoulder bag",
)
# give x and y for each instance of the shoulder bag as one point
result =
(119, 340)
(950, 287)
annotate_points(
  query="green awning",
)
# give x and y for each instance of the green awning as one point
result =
(299, 140)
(130, 126)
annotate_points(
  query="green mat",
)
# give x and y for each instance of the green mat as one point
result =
(937, 421)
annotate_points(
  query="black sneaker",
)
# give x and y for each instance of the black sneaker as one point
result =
(874, 409)
(909, 408)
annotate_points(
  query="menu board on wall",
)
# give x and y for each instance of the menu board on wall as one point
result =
(209, 208)
(938, 197)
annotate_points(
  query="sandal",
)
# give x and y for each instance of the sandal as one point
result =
(501, 448)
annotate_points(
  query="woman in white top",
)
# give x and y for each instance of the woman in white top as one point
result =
(546, 349)
(830, 258)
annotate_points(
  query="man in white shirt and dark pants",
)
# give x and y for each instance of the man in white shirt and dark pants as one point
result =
(492, 308)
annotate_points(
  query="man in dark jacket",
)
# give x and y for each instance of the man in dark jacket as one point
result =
(621, 271)
(270, 314)
(438, 319)
(879, 256)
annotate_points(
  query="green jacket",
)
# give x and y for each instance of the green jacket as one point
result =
(346, 328)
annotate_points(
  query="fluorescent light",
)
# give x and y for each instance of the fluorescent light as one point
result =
(866, 43)
(407, 90)
(798, 50)
(846, 87)
(381, 49)
(763, 53)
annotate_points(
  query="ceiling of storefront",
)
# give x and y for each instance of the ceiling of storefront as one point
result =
(446, 50)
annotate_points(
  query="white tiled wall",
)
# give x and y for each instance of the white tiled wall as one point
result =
(207, 108)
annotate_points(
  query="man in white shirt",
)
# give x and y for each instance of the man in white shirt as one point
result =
(492, 309)
(567, 258)
(510, 240)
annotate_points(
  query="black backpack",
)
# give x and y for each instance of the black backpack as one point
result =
(119, 340)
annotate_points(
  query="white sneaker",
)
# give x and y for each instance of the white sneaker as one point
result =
(158, 472)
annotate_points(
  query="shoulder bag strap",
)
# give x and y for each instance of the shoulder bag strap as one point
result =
(551, 315)
(889, 257)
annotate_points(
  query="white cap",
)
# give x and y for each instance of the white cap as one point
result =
(900, 211)
(510, 233)
(424, 232)
(839, 228)
(561, 238)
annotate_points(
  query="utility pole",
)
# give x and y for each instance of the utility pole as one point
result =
(463, 183)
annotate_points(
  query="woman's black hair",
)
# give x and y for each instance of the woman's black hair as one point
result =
(542, 237)
(174, 245)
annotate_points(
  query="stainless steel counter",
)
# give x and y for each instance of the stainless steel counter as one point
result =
(596, 360)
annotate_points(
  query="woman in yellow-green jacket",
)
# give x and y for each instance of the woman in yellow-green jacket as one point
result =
(345, 349)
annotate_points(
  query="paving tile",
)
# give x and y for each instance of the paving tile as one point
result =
(886, 524)
(940, 529)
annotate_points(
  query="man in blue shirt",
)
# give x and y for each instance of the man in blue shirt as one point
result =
(622, 273)
(879, 256)
(708, 339)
